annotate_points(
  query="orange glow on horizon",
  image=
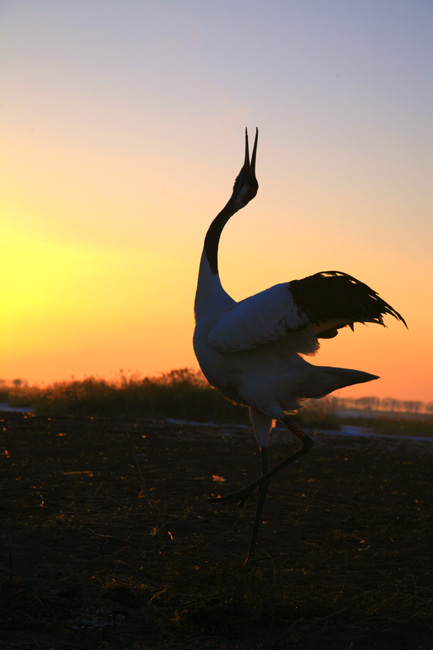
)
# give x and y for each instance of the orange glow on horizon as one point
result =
(76, 310)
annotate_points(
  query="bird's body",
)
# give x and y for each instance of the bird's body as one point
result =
(250, 350)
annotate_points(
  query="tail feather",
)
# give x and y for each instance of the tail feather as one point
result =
(334, 378)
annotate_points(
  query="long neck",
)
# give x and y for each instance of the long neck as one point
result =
(213, 235)
(210, 294)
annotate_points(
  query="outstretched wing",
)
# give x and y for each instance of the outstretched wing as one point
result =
(300, 311)
(332, 299)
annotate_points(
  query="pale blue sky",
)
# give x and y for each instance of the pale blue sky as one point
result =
(326, 81)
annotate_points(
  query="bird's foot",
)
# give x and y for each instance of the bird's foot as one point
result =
(250, 563)
(236, 497)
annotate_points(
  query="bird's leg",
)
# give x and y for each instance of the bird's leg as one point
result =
(243, 495)
(263, 488)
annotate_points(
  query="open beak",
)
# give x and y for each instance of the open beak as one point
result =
(250, 167)
(246, 185)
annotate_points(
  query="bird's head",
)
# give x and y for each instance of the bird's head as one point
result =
(246, 185)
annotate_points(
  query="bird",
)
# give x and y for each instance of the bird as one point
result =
(252, 351)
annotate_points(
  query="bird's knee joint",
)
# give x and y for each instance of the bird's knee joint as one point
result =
(307, 443)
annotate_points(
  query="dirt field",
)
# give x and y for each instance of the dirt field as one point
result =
(108, 540)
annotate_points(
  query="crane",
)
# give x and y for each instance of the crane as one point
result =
(250, 351)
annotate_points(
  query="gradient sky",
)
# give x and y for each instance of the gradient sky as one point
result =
(122, 127)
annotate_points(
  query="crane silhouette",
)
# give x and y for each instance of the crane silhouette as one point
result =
(250, 350)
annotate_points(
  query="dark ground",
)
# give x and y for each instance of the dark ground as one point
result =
(108, 542)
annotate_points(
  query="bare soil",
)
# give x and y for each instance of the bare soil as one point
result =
(108, 541)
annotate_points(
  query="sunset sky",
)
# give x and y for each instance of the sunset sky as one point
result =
(122, 127)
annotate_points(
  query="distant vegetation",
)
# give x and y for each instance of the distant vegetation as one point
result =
(388, 404)
(179, 394)
(182, 394)
(185, 394)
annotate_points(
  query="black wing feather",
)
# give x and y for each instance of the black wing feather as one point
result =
(333, 295)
